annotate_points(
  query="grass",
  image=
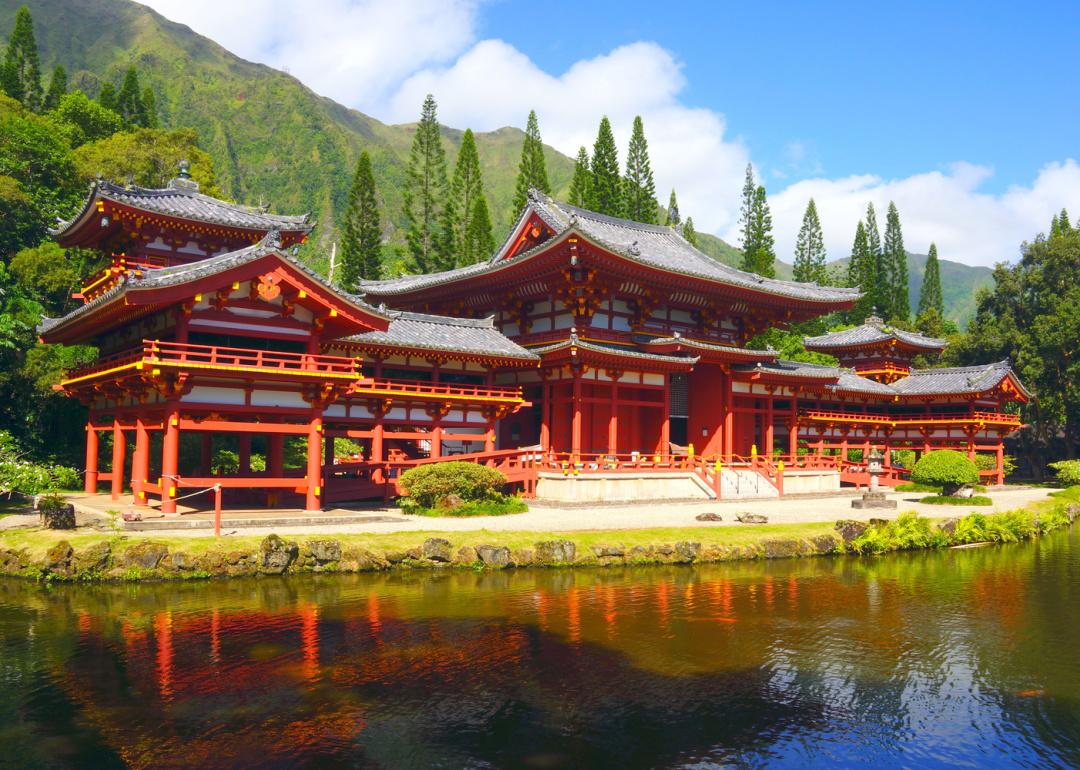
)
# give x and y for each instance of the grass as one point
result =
(478, 508)
(950, 500)
(911, 486)
(10, 506)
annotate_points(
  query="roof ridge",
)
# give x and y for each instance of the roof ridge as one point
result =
(110, 187)
(475, 323)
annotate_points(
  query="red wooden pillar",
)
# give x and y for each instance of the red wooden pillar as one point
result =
(613, 421)
(545, 417)
(140, 462)
(793, 429)
(489, 436)
(436, 441)
(206, 453)
(575, 427)
(119, 448)
(1000, 467)
(377, 474)
(314, 464)
(91, 480)
(769, 418)
(729, 418)
(275, 462)
(665, 421)
(245, 453)
(170, 458)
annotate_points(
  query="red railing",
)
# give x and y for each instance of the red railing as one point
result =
(446, 389)
(213, 356)
(998, 417)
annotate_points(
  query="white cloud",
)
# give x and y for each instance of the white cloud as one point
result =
(383, 56)
(943, 207)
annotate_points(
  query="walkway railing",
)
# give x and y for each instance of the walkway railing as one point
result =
(218, 357)
(380, 386)
(1003, 418)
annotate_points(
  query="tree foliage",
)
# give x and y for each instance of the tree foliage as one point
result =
(894, 270)
(150, 157)
(930, 296)
(21, 69)
(479, 239)
(755, 220)
(466, 189)
(639, 189)
(605, 193)
(673, 218)
(532, 169)
(581, 184)
(426, 196)
(945, 468)
(85, 120)
(361, 239)
(58, 86)
(810, 248)
(429, 485)
(688, 231)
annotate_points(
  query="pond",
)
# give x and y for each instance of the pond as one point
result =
(943, 659)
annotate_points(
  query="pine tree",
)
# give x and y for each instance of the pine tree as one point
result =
(873, 242)
(426, 195)
(582, 181)
(759, 255)
(810, 248)
(639, 189)
(479, 239)
(862, 273)
(150, 107)
(361, 240)
(930, 296)
(107, 97)
(1063, 222)
(688, 232)
(129, 102)
(22, 67)
(532, 170)
(746, 210)
(58, 86)
(894, 260)
(466, 187)
(605, 195)
(673, 211)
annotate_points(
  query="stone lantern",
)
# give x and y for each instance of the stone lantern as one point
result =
(874, 497)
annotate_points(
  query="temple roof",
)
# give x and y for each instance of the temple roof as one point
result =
(622, 351)
(442, 333)
(873, 332)
(658, 247)
(647, 340)
(182, 199)
(178, 275)
(921, 382)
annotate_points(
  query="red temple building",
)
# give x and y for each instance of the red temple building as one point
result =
(589, 357)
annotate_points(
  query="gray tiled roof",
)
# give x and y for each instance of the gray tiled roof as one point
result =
(871, 332)
(646, 340)
(603, 347)
(442, 333)
(182, 200)
(791, 369)
(963, 379)
(652, 245)
(178, 275)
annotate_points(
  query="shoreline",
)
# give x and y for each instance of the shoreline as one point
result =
(48, 556)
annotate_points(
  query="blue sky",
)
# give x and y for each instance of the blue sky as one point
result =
(966, 115)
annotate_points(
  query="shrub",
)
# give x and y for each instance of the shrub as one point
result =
(1068, 472)
(985, 462)
(950, 500)
(21, 476)
(907, 531)
(427, 486)
(945, 468)
(498, 505)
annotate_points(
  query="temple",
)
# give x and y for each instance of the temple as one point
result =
(589, 358)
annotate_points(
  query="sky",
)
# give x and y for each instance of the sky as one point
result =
(967, 115)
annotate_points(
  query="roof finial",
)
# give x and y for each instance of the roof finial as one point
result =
(185, 170)
(874, 319)
(183, 180)
(634, 250)
(273, 238)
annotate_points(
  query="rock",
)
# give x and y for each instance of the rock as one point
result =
(212, 562)
(687, 551)
(324, 551)
(145, 555)
(948, 526)
(1073, 512)
(466, 555)
(850, 529)
(365, 560)
(177, 561)
(93, 559)
(781, 549)
(608, 551)
(450, 502)
(752, 518)
(58, 517)
(709, 516)
(555, 552)
(522, 557)
(493, 556)
(823, 544)
(664, 549)
(965, 491)
(397, 557)
(638, 554)
(436, 549)
(878, 523)
(275, 555)
(235, 557)
(58, 559)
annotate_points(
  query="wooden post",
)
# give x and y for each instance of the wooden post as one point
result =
(140, 462)
(245, 454)
(545, 418)
(793, 429)
(275, 463)
(728, 439)
(665, 422)
(314, 464)
(436, 442)
(91, 480)
(769, 428)
(575, 427)
(170, 458)
(1000, 454)
(217, 510)
(489, 436)
(613, 422)
(377, 474)
(119, 448)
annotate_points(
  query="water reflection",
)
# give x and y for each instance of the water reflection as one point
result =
(944, 659)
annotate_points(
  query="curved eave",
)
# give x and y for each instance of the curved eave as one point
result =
(706, 351)
(596, 355)
(882, 346)
(432, 351)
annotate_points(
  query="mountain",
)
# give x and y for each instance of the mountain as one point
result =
(274, 140)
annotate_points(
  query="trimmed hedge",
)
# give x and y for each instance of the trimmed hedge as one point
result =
(945, 468)
(1068, 472)
(449, 484)
(950, 500)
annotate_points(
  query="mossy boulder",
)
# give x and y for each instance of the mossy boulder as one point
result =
(781, 548)
(850, 530)
(555, 552)
(94, 559)
(465, 556)
(145, 555)
(324, 551)
(608, 551)
(522, 557)
(362, 560)
(276, 555)
(436, 549)
(686, 551)
(58, 559)
(823, 544)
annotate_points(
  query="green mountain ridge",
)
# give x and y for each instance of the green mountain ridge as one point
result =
(275, 140)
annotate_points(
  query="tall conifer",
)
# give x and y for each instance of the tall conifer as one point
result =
(873, 242)
(673, 218)
(107, 97)
(582, 181)
(930, 297)
(426, 196)
(129, 101)
(862, 273)
(688, 232)
(810, 248)
(58, 86)
(150, 107)
(605, 194)
(746, 210)
(479, 240)
(466, 188)
(361, 240)
(21, 72)
(639, 189)
(759, 255)
(532, 170)
(895, 272)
